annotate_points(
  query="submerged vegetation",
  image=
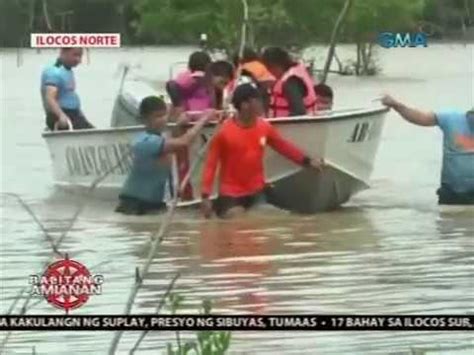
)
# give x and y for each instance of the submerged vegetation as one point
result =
(206, 343)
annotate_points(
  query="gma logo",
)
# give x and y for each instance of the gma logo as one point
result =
(400, 39)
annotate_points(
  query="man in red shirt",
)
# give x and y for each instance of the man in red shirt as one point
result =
(238, 150)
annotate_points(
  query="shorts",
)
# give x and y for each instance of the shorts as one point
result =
(77, 119)
(134, 206)
(446, 196)
(224, 203)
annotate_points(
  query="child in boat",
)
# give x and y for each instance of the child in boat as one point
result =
(189, 90)
(200, 87)
(144, 187)
(238, 150)
(205, 92)
(324, 97)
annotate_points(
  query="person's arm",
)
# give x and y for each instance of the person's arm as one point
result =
(418, 117)
(289, 150)
(210, 166)
(294, 93)
(51, 97)
(175, 94)
(209, 173)
(176, 143)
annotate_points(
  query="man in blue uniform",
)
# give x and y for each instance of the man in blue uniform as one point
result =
(58, 92)
(144, 189)
(457, 175)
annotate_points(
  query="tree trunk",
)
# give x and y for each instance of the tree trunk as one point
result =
(357, 66)
(338, 61)
(31, 15)
(335, 31)
(467, 8)
(463, 26)
(46, 16)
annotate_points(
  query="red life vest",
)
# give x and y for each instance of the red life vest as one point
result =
(279, 106)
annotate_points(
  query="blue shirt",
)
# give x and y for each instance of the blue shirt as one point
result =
(63, 79)
(148, 176)
(458, 151)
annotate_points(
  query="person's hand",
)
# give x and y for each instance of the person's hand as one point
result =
(206, 208)
(209, 115)
(175, 113)
(182, 119)
(64, 122)
(317, 163)
(389, 101)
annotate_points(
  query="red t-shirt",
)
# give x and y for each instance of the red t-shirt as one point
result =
(239, 153)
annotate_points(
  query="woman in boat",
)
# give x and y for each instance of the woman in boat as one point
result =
(293, 93)
(237, 149)
(144, 188)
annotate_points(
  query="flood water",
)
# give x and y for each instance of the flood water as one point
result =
(392, 249)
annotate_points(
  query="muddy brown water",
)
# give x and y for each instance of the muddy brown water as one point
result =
(392, 249)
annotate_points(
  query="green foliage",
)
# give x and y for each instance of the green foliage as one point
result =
(297, 23)
(207, 342)
(369, 17)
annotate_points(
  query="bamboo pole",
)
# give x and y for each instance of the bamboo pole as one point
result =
(141, 274)
(56, 244)
(157, 311)
(158, 238)
(36, 220)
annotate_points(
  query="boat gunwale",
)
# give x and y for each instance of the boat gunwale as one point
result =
(324, 118)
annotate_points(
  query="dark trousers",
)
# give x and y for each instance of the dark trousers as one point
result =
(134, 206)
(77, 119)
(446, 196)
(224, 203)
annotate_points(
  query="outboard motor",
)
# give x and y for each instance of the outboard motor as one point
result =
(127, 102)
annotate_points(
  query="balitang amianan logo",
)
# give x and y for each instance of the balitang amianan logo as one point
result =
(66, 284)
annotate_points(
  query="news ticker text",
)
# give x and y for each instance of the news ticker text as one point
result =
(238, 322)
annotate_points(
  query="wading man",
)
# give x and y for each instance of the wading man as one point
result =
(58, 92)
(144, 189)
(457, 175)
(237, 151)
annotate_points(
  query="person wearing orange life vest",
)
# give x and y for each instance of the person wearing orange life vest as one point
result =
(251, 65)
(293, 93)
(250, 69)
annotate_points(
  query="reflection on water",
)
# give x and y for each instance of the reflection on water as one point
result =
(391, 250)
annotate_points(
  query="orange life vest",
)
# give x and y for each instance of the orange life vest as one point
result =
(258, 71)
(279, 106)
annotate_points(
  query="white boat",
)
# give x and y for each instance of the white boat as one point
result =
(347, 140)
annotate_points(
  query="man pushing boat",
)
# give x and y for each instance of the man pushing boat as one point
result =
(237, 149)
(144, 189)
(457, 175)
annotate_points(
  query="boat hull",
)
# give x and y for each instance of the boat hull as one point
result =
(347, 140)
